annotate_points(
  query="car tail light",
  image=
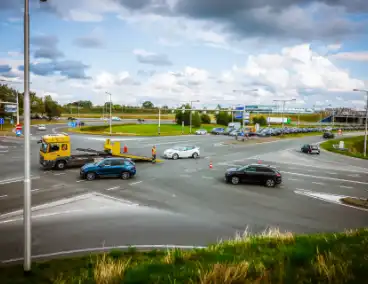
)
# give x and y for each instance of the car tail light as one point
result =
(278, 175)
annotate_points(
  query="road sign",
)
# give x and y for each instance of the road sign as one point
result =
(18, 132)
(12, 121)
(10, 108)
(70, 124)
(2, 121)
(18, 127)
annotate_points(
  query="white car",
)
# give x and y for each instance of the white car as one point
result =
(201, 132)
(115, 118)
(182, 152)
(104, 118)
(41, 127)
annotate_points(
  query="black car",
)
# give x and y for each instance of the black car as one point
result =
(310, 149)
(254, 173)
(328, 135)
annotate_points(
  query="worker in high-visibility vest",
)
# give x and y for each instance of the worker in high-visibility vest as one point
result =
(153, 154)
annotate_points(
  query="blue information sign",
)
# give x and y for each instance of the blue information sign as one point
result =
(18, 132)
(1, 120)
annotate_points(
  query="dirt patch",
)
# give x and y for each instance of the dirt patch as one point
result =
(359, 202)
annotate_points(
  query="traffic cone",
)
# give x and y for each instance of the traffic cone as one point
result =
(125, 148)
(210, 165)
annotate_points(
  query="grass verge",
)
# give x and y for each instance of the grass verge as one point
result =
(359, 202)
(141, 129)
(354, 146)
(272, 257)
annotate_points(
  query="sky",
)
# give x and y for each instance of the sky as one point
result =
(175, 51)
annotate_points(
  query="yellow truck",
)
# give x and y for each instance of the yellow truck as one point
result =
(55, 153)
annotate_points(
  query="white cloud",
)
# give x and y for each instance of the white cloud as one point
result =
(106, 80)
(351, 56)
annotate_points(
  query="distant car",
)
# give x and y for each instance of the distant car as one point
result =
(104, 118)
(310, 149)
(109, 167)
(115, 118)
(254, 173)
(201, 132)
(182, 152)
(328, 135)
(42, 127)
(217, 130)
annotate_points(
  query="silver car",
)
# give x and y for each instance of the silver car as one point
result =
(182, 152)
(201, 132)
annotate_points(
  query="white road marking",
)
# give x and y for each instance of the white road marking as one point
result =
(3, 196)
(17, 179)
(319, 183)
(354, 175)
(206, 177)
(81, 180)
(137, 182)
(186, 176)
(113, 188)
(344, 186)
(59, 174)
(328, 178)
(332, 173)
(36, 189)
(293, 179)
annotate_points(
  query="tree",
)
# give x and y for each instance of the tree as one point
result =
(261, 120)
(205, 118)
(196, 119)
(147, 104)
(223, 118)
(180, 116)
(51, 107)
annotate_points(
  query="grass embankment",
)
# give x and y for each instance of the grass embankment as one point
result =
(142, 129)
(269, 258)
(359, 202)
(354, 146)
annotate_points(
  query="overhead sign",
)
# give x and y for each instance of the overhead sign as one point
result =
(10, 108)
(1, 121)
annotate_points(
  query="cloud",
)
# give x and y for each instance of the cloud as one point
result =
(46, 47)
(89, 42)
(151, 58)
(5, 68)
(106, 80)
(351, 56)
(68, 68)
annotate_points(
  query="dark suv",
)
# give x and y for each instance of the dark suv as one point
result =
(328, 135)
(254, 173)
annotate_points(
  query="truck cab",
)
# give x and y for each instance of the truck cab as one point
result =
(55, 150)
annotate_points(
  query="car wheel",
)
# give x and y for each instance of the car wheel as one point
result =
(90, 176)
(60, 165)
(125, 175)
(234, 180)
(175, 156)
(270, 183)
(195, 155)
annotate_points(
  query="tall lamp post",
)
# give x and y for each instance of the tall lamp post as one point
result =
(110, 112)
(283, 108)
(366, 121)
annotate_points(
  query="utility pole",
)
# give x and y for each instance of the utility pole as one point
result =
(283, 108)
(27, 152)
(159, 121)
(366, 121)
(110, 112)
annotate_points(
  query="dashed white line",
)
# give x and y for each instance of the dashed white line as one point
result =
(3, 196)
(344, 186)
(81, 180)
(206, 177)
(332, 173)
(354, 175)
(137, 182)
(293, 179)
(319, 183)
(59, 174)
(113, 188)
(36, 189)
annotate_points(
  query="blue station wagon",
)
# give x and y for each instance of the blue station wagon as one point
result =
(109, 167)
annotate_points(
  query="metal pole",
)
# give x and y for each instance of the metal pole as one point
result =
(282, 115)
(190, 117)
(365, 131)
(159, 121)
(110, 115)
(17, 107)
(243, 117)
(27, 152)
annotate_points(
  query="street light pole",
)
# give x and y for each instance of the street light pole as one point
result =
(366, 121)
(159, 121)
(27, 152)
(110, 112)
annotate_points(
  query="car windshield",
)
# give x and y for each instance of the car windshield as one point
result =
(314, 147)
(178, 148)
(43, 147)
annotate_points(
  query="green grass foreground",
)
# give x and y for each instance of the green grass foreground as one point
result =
(355, 146)
(272, 257)
(142, 129)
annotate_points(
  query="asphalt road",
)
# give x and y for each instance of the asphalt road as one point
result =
(181, 202)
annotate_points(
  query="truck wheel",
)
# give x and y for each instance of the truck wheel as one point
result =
(125, 175)
(60, 165)
(90, 176)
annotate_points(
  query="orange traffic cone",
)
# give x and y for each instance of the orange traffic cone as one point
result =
(125, 149)
(210, 165)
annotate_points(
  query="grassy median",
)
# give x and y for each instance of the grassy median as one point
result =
(354, 146)
(268, 258)
(358, 202)
(142, 129)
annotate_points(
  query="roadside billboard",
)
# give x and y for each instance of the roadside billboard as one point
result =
(10, 108)
(279, 120)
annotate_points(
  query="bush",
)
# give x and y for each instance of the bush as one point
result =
(261, 120)
(205, 118)
(196, 119)
(223, 118)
